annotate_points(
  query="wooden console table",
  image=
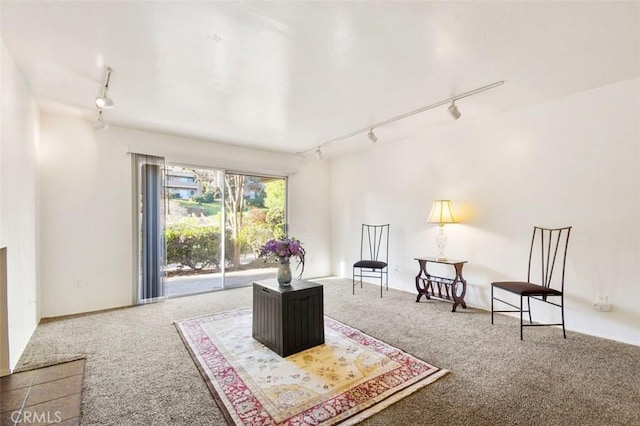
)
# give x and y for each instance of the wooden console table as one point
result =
(441, 287)
(289, 319)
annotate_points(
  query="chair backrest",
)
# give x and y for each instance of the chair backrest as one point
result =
(374, 242)
(548, 250)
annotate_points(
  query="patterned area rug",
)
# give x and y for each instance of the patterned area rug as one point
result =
(349, 378)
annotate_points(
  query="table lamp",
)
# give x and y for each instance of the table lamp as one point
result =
(441, 214)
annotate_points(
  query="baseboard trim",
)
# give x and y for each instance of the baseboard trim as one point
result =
(5, 372)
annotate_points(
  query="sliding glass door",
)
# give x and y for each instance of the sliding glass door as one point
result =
(216, 222)
(255, 210)
(194, 231)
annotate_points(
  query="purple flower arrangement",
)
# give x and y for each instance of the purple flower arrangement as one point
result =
(283, 249)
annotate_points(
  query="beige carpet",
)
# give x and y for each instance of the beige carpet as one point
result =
(138, 371)
(345, 380)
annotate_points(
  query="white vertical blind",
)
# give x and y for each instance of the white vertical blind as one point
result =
(149, 208)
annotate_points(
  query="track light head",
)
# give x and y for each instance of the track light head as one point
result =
(454, 111)
(372, 136)
(104, 102)
(100, 124)
(318, 154)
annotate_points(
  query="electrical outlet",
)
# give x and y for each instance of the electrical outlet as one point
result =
(601, 298)
(77, 283)
(601, 303)
(602, 307)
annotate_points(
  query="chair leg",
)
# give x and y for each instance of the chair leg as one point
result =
(564, 333)
(492, 305)
(529, 309)
(353, 284)
(521, 325)
(380, 284)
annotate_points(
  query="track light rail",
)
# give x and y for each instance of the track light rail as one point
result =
(405, 115)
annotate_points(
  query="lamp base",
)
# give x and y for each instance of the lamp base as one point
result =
(442, 258)
(441, 242)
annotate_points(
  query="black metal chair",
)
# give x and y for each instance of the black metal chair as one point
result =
(553, 245)
(374, 255)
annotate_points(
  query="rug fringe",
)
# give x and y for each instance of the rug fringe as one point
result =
(376, 408)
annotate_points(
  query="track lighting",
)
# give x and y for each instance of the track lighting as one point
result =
(103, 101)
(454, 111)
(372, 136)
(100, 124)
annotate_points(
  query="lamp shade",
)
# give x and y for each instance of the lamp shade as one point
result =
(441, 212)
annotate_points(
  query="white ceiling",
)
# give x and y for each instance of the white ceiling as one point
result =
(289, 76)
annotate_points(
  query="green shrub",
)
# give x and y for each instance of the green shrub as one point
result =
(207, 198)
(255, 231)
(275, 221)
(197, 247)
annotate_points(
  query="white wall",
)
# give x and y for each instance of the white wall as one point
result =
(18, 204)
(310, 215)
(86, 206)
(573, 161)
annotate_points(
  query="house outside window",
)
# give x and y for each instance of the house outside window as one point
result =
(182, 184)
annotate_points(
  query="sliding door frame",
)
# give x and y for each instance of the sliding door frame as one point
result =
(223, 191)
